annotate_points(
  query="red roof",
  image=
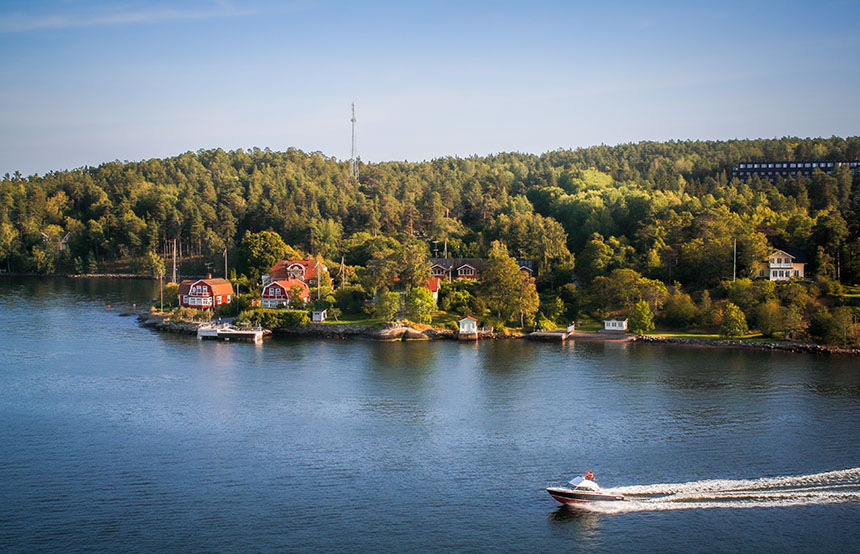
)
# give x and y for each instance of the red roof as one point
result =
(281, 270)
(469, 317)
(288, 284)
(433, 284)
(220, 287)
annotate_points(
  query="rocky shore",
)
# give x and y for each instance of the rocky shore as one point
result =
(399, 332)
(390, 332)
(158, 323)
(784, 346)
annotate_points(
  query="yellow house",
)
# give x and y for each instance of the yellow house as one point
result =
(781, 266)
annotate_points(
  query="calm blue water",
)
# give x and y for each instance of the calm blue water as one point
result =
(117, 438)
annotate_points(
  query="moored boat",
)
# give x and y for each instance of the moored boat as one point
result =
(581, 489)
(227, 332)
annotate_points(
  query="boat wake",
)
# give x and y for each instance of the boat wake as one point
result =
(832, 487)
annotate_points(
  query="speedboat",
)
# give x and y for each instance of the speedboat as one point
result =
(580, 489)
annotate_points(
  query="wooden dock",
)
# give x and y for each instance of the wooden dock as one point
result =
(552, 335)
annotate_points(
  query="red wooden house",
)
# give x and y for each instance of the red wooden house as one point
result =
(205, 294)
(279, 293)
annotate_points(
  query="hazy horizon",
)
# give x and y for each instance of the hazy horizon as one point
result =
(94, 81)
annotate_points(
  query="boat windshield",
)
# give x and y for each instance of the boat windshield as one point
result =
(580, 483)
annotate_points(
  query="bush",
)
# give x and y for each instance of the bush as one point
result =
(184, 314)
(351, 299)
(734, 322)
(240, 303)
(273, 319)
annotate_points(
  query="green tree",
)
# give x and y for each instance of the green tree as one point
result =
(155, 264)
(679, 310)
(503, 282)
(769, 318)
(260, 251)
(734, 322)
(387, 305)
(641, 319)
(845, 328)
(420, 305)
(526, 299)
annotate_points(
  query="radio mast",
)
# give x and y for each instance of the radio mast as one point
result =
(353, 160)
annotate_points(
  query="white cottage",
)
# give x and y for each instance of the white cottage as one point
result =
(617, 325)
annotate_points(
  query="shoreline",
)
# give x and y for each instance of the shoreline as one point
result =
(393, 332)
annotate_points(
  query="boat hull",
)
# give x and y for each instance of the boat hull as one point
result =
(568, 496)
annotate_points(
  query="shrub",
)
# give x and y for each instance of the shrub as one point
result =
(273, 319)
(734, 322)
(351, 299)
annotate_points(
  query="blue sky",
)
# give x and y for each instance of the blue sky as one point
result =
(89, 81)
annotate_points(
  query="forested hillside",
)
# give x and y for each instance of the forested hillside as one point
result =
(668, 211)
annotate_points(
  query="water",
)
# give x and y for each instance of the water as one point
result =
(117, 438)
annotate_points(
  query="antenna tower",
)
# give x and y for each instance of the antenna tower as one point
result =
(353, 160)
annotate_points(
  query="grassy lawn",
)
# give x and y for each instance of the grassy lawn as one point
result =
(355, 319)
(752, 337)
(589, 325)
(445, 320)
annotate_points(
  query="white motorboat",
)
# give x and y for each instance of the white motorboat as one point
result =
(227, 332)
(581, 489)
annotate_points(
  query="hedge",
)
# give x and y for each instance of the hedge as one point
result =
(272, 319)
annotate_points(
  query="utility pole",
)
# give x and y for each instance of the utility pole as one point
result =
(734, 259)
(353, 160)
(318, 279)
(174, 261)
(225, 262)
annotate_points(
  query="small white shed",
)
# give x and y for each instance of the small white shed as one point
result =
(619, 325)
(318, 316)
(468, 325)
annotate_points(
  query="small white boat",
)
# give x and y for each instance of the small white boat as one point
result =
(227, 332)
(580, 489)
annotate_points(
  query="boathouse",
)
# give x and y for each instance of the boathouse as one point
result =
(468, 325)
(205, 294)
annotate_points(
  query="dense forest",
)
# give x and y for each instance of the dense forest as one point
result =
(668, 214)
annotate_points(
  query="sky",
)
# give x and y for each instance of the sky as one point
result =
(84, 82)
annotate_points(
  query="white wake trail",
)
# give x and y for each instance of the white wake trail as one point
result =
(832, 487)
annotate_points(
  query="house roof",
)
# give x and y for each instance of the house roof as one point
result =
(531, 265)
(467, 317)
(455, 263)
(281, 270)
(433, 284)
(797, 256)
(288, 284)
(220, 287)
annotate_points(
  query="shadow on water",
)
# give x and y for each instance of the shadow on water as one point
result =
(578, 523)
